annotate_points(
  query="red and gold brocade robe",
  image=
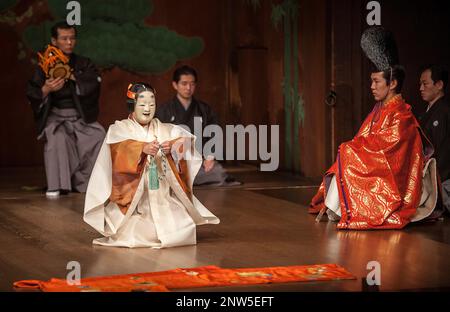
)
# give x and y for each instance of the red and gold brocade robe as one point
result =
(378, 172)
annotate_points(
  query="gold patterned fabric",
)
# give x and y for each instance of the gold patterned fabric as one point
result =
(378, 172)
(128, 163)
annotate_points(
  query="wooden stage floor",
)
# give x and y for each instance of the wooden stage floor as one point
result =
(264, 222)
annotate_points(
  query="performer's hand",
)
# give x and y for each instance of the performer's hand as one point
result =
(52, 85)
(151, 148)
(208, 164)
(166, 146)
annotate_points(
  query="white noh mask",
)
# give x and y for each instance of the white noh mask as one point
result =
(145, 107)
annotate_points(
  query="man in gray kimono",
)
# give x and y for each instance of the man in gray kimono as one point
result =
(66, 112)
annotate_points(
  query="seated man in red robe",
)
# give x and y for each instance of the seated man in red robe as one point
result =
(384, 177)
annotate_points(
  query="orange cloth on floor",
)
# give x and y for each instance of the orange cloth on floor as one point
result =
(207, 276)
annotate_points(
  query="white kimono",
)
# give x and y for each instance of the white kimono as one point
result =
(160, 218)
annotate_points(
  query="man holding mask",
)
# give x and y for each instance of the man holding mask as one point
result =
(64, 100)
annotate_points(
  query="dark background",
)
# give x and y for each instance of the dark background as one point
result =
(241, 68)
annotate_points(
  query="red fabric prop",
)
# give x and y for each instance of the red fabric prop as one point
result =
(207, 276)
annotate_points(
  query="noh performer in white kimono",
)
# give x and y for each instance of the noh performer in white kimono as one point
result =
(140, 191)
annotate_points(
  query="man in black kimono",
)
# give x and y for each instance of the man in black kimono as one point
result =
(183, 109)
(66, 112)
(436, 121)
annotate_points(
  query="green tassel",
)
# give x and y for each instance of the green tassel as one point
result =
(153, 179)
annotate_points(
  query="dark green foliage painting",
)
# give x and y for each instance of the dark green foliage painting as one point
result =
(113, 33)
(286, 13)
(5, 4)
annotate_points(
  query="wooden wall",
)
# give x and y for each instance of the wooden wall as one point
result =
(241, 69)
(201, 18)
(422, 31)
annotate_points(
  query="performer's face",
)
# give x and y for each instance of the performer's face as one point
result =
(145, 107)
(66, 40)
(379, 86)
(429, 90)
(185, 87)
